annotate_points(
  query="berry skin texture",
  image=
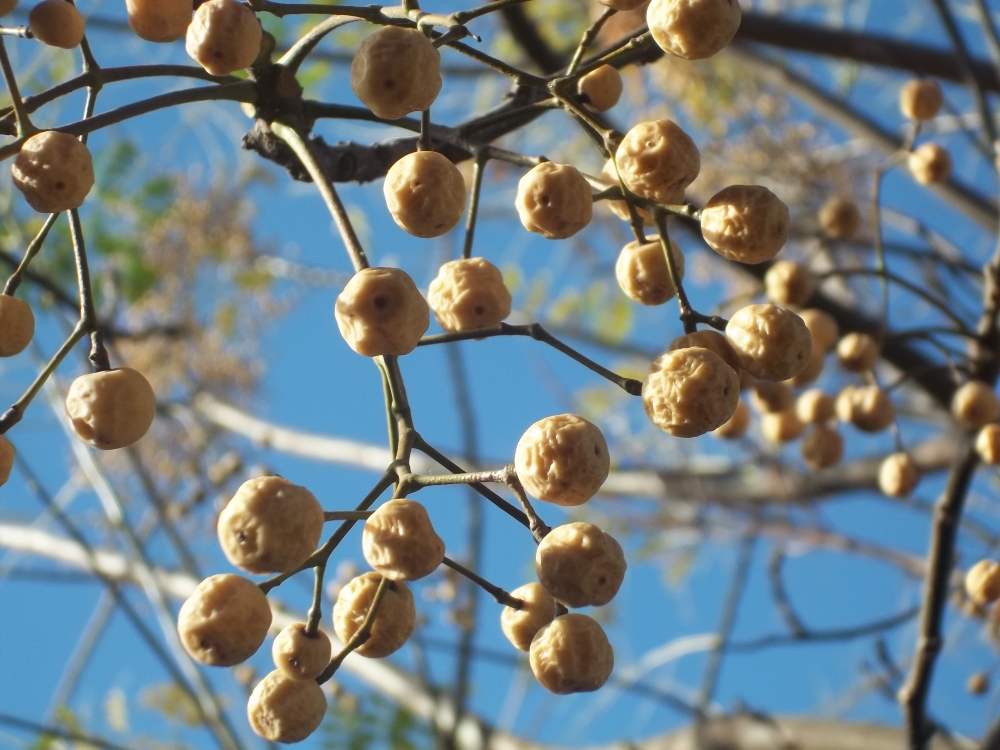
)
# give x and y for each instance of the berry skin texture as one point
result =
(381, 311)
(815, 407)
(159, 20)
(858, 352)
(929, 164)
(17, 325)
(602, 87)
(393, 623)
(839, 218)
(822, 327)
(396, 71)
(562, 460)
(285, 710)
(7, 454)
(975, 405)
(707, 339)
(53, 170)
(868, 408)
(620, 208)
(822, 447)
(520, 625)
(745, 223)
(554, 200)
(657, 160)
(469, 294)
(224, 36)
(781, 427)
(737, 424)
(299, 656)
(643, 274)
(400, 542)
(920, 99)
(56, 23)
(224, 621)
(111, 409)
(571, 655)
(693, 29)
(580, 565)
(689, 392)
(982, 582)
(270, 526)
(789, 284)
(425, 194)
(898, 476)
(988, 444)
(772, 343)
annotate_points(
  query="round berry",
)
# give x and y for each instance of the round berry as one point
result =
(822, 447)
(781, 427)
(822, 327)
(789, 283)
(425, 194)
(571, 655)
(619, 207)
(393, 624)
(602, 87)
(224, 621)
(708, 339)
(159, 20)
(898, 475)
(858, 352)
(736, 425)
(689, 392)
(554, 200)
(224, 36)
(17, 325)
(400, 542)
(988, 444)
(815, 407)
(381, 311)
(469, 294)
(521, 625)
(771, 398)
(285, 710)
(643, 274)
(53, 170)
(300, 656)
(56, 23)
(396, 71)
(270, 526)
(111, 409)
(811, 372)
(6, 6)
(982, 582)
(745, 223)
(580, 565)
(562, 459)
(930, 163)
(7, 454)
(693, 29)
(920, 99)
(658, 160)
(772, 343)
(868, 407)
(975, 405)
(839, 218)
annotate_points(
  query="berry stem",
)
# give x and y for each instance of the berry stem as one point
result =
(539, 529)
(588, 38)
(315, 613)
(501, 596)
(88, 313)
(30, 252)
(361, 636)
(478, 167)
(24, 126)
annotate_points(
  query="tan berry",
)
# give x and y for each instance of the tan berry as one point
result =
(572, 655)
(745, 223)
(781, 427)
(988, 444)
(811, 372)
(469, 294)
(6, 6)
(580, 565)
(839, 218)
(400, 542)
(111, 409)
(868, 407)
(520, 625)
(224, 621)
(56, 23)
(53, 170)
(689, 392)
(602, 87)
(159, 20)
(381, 311)
(771, 398)
(7, 454)
(975, 405)
(978, 683)
(858, 352)
(643, 274)
(554, 200)
(982, 582)
(285, 710)
(270, 526)
(930, 163)
(300, 656)
(17, 325)
(224, 36)
(822, 327)
(393, 623)
(789, 283)
(920, 99)
(822, 447)
(425, 193)
(771, 342)
(396, 71)
(658, 160)
(736, 425)
(693, 29)
(562, 459)
(620, 208)
(815, 407)
(898, 475)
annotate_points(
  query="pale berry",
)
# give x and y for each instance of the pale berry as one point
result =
(562, 459)
(159, 20)
(111, 409)
(822, 447)
(396, 71)
(771, 398)
(772, 343)
(580, 565)
(425, 194)
(285, 710)
(399, 541)
(602, 87)
(554, 200)
(17, 325)
(224, 621)
(224, 36)
(988, 444)
(571, 655)
(56, 23)
(538, 610)
(982, 582)
(930, 163)
(708, 339)
(693, 29)
(657, 160)
(839, 218)
(381, 311)
(736, 425)
(394, 621)
(689, 392)
(858, 352)
(643, 274)
(920, 99)
(745, 223)
(54, 171)
(822, 327)
(789, 283)
(468, 294)
(301, 655)
(815, 407)
(898, 475)
(781, 427)
(868, 408)
(975, 405)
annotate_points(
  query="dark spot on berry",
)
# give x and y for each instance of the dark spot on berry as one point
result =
(60, 185)
(480, 310)
(380, 302)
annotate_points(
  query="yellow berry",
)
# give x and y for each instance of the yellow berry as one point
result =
(930, 163)
(789, 283)
(301, 656)
(898, 475)
(839, 218)
(602, 87)
(975, 405)
(920, 99)
(822, 447)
